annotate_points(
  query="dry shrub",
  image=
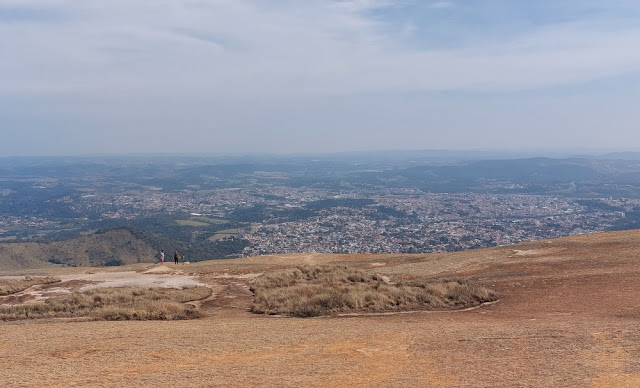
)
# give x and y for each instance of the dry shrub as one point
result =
(126, 303)
(8, 287)
(325, 289)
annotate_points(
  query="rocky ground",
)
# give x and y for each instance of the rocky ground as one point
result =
(568, 316)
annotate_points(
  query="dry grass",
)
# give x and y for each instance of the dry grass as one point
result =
(112, 304)
(8, 287)
(326, 289)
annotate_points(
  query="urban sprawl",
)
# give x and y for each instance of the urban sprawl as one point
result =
(395, 221)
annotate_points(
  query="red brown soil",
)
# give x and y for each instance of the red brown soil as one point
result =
(568, 316)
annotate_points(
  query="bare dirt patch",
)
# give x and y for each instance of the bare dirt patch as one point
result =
(156, 277)
(135, 279)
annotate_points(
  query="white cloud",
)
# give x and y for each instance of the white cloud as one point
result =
(246, 49)
(362, 5)
(441, 5)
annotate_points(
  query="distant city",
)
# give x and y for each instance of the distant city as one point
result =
(329, 206)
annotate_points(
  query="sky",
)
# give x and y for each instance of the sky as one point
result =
(82, 77)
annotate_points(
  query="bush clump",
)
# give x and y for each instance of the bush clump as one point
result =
(309, 291)
(126, 303)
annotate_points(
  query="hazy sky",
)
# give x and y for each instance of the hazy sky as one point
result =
(179, 76)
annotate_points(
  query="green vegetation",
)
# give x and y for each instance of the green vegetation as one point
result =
(193, 250)
(263, 213)
(113, 263)
(115, 304)
(8, 287)
(227, 231)
(212, 220)
(340, 202)
(224, 234)
(191, 223)
(113, 247)
(328, 289)
(630, 221)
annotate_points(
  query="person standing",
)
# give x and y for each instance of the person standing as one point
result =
(162, 256)
(176, 256)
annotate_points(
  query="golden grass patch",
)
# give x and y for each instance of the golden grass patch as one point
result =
(126, 303)
(328, 289)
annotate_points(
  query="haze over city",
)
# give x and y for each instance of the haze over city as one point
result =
(183, 76)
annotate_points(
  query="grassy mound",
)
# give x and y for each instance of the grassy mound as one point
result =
(8, 287)
(322, 290)
(126, 303)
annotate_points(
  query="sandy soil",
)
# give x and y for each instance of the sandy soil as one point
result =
(568, 316)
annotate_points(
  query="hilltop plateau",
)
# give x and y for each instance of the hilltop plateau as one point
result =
(566, 316)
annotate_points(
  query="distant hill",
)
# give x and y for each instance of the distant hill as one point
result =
(628, 155)
(112, 247)
(516, 170)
